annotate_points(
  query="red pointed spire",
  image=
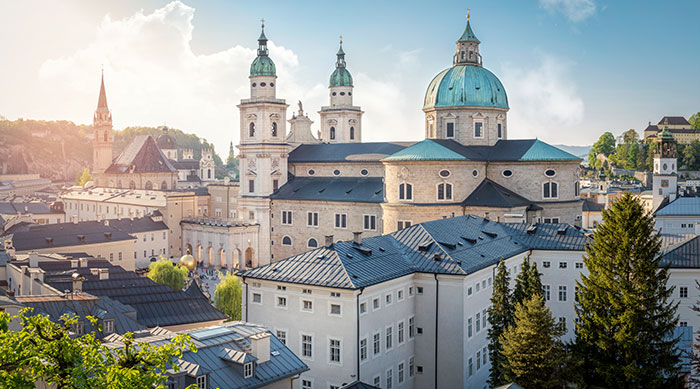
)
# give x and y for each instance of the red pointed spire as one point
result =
(102, 101)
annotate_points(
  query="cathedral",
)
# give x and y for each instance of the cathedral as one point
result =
(299, 190)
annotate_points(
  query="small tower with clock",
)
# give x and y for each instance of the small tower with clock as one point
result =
(665, 180)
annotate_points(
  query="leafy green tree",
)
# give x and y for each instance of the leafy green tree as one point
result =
(522, 283)
(500, 317)
(630, 136)
(83, 178)
(532, 350)
(165, 272)
(695, 120)
(42, 350)
(604, 145)
(689, 156)
(626, 318)
(228, 297)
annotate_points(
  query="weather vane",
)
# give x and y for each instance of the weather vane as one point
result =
(341, 39)
(263, 22)
(467, 13)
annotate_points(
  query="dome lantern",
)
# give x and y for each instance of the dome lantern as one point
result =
(467, 47)
(340, 76)
(262, 64)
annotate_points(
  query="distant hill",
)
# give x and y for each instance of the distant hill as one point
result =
(579, 151)
(58, 150)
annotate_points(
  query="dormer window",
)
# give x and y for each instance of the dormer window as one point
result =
(202, 382)
(79, 327)
(248, 370)
(108, 326)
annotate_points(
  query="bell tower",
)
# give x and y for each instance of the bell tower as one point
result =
(665, 180)
(102, 137)
(263, 147)
(467, 47)
(341, 122)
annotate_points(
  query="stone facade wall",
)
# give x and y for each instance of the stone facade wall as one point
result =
(300, 232)
(436, 120)
(528, 177)
(425, 177)
(347, 169)
(223, 200)
(393, 213)
(141, 180)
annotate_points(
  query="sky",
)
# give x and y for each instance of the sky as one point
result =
(572, 69)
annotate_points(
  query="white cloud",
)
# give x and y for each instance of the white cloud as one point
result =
(153, 78)
(544, 101)
(574, 10)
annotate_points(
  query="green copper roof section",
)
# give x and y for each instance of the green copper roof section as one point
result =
(465, 85)
(666, 134)
(340, 76)
(262, 64)
(540, 151)
(468, 35)
(426, 150)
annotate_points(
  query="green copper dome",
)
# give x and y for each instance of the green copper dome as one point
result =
(465, 85)
(262, 65)
(340, 76)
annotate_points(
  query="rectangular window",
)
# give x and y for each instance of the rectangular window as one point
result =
(484, 355)
(375, 304)
(500, 130)
(545, 264)
(546, 292)
(400, 332)
(469, 327)
(478, 129)
(275, 184)
(478, 322)
(307, 305)
(251, 186)
(363, 308)
(562, 265)
(470, 367)
(306, 346)
(683, 290)
(312, 219)
(334, 354)
(341, 220)
(579, 265)
(287, 217)
(483, 318)
(450, 130)
(306, 384)
(562, 293)
(389, 338)
(202, 382)
(389, 378)
(411, 366)
(378, 381)
(478, 360)
(248, 370)
(376, 343)
(282, 302)
(363, 349)
(401, 372)
(335, 309)
(387, 299)
(370, 222)
(562, 323)
(469, 291)
(411, 327)
(257, 298)
(399, 295)
(401, 224)
(282, 336)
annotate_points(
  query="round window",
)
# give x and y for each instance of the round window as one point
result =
(507, 173)
(254, 85)
(336, 172)
(334, 93)
(550, 173)
(272, 84)
(342, 93)
(311, 172)
(262, 84)
(444, 173)
(364, 172)
(475, 173)
(665, 166)
(349, 93)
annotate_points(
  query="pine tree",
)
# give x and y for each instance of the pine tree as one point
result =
(531, 348)
(624, 334)
(500, 317)
(522, 283)
(534, 281)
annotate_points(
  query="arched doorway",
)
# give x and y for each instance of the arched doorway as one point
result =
(210, 256)
(148, 185)
(199, 253)
(132, 185)
(188, 249)
(249, 257)
(222, 258)
(237, 259)
(163, 185)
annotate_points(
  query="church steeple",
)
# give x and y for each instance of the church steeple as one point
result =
(102, 126)
(467, 47)
(263, 64)
(102, 100)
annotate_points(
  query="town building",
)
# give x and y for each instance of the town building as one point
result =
(38, 212)
(21, 184)
(229, 355)
(682, 131)
(680, 216)
(409, 309)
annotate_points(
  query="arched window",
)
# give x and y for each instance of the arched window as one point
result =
(148, 185)
(209, 174)
(352, 132)
(163, 185)
(106, 137)
(286, 241)
(577, 189)
(132, 185)
(405, 191)
(312, 243)
(274, 128)
(332, 132)
(251, 129)
(550, 190)
(444, 191)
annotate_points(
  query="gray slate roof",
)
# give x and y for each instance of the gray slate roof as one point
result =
(12, 208)
(234, 337)
(358, 385)
(491, 194)
(143, 156)
(66, 234)
(684, 255)
(362, 189)
(465, 244)
(590, 205)
(674, 121)
(681, 206)
(345, 152)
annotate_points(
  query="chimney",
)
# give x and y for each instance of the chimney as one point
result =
(33, 259)
(329, 240)
(357, 237)
(77, 283)
(104, 274)
(260, 346)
